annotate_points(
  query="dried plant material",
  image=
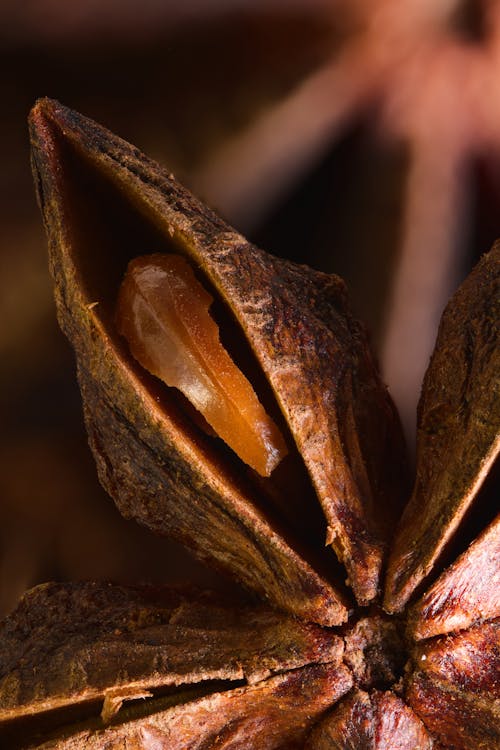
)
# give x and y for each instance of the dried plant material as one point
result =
(380, 721)
(150, 458)
(272, 714)
(455, 688)
(94, 646)
(116, 697)
(375, 651)
(313, 354)
(458, 435)
(467, 592)
(163, 312)
(202, 674)
(97, 645)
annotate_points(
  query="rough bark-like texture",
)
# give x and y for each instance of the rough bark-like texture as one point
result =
(275, 713)
(379, 721)
(149, 458)
(313, 353)
(375, 652)
(468, 591)
(458, 428)
(99, 667)
(99, 646)
(152, 482)
(455, 688)
(73, 643)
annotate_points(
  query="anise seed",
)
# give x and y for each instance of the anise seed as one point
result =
(163, 312)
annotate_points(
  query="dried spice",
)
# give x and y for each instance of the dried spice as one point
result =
(96, 654)
(458, 436)
(100, 666)
(305, 348)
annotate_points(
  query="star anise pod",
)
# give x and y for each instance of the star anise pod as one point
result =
(404, 653)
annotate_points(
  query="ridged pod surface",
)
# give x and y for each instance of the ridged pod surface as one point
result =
(402, 654)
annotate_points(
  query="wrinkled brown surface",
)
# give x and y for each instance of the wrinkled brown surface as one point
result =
(170, 496)
(458, 428)
(72, 643)
(101, 666)
(276, 713)
(375, 652)
(468, 591)
(312, 352)
(376, 721)
(148, 458)
(455, 688)
(81, 656)
(227, 685)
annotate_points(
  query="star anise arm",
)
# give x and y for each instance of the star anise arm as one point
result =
(103, 202)
(458, 436)
(155, 464)
(466, 592)
(455, 687)
(277, 713)
(376, 721)
(75, 658)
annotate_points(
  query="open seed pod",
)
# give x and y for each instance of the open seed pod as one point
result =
(97, 666)
(307, 358)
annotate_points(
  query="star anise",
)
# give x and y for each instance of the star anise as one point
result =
(404, 654)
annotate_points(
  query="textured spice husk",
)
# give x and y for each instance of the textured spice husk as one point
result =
(277, 713)
(376, 721)
(455, 687)
(103, 667)
(74, 656)
(466, 592)
(86, 639)
(312, 352)
(458, 437)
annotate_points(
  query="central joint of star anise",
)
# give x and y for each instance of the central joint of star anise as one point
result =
(376, 651)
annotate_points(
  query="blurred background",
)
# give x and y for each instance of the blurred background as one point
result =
(359, 136)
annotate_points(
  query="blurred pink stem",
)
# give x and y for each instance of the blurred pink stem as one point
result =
(428, 270)
(250, 172)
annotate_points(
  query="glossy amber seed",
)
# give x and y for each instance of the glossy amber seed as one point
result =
(163, 312)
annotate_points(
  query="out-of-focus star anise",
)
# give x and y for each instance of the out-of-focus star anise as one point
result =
(424, 74)
(402, 654)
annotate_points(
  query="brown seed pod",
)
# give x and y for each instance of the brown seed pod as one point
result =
(104, 203)
(99, 666)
